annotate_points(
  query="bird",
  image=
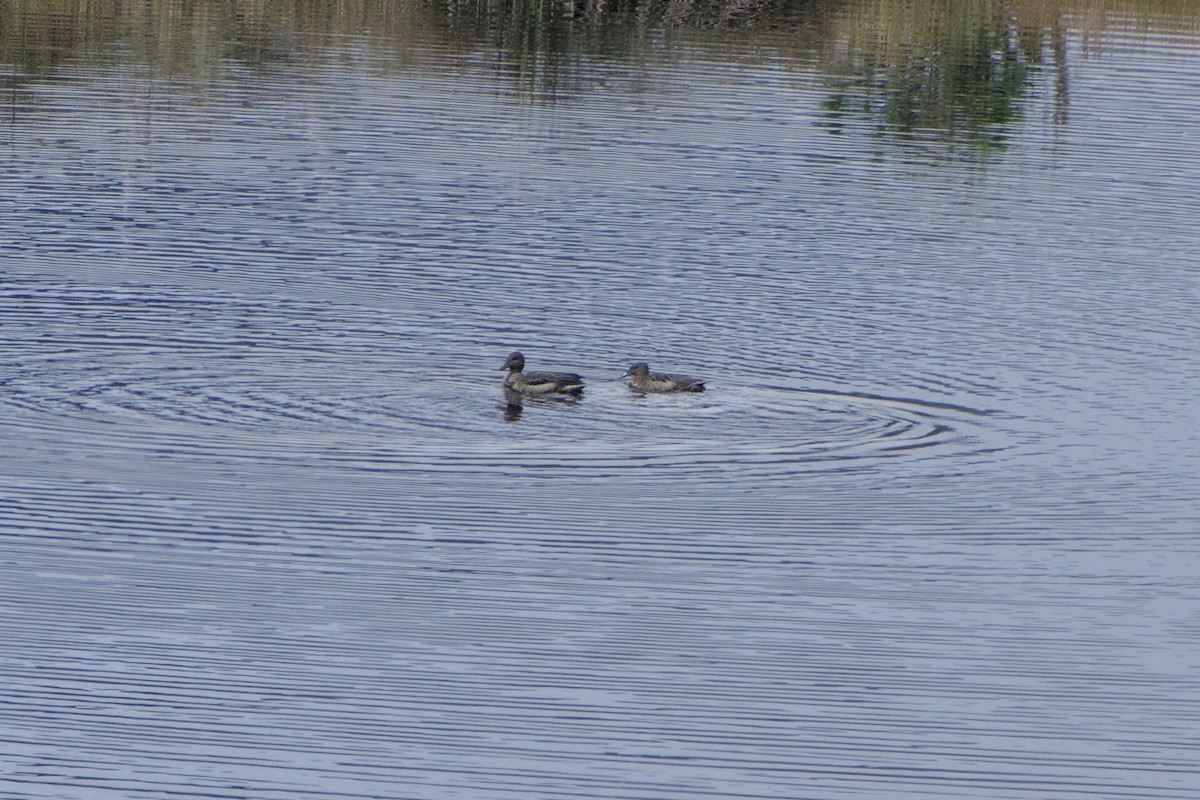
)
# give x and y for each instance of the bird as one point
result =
(537, 384)
(641, 379)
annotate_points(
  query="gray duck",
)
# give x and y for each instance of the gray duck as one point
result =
(537, 384)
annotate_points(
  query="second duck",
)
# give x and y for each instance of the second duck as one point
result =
(643, 380)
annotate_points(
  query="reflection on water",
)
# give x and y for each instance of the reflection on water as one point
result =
(268, 519)
(513, 404)
(953, 70)
(949, 72)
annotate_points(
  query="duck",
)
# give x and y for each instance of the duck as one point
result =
(538, 384)
(641, 379)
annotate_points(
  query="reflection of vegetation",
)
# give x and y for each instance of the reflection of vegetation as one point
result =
(527, 18)
(541, 42)
(951, 70)
(955, 71)
(184, 36)
(957, 67)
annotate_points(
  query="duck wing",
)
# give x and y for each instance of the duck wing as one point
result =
(555, 381)
(678, 383)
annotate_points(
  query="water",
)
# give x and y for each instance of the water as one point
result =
(269, 530)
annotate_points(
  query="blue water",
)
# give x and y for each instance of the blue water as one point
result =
(269, 530)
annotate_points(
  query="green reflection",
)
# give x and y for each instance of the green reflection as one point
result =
(952, 70)
(948, 71)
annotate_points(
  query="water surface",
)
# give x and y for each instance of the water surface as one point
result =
(269, 529)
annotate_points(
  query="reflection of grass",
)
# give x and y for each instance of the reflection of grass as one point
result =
(186, 36)
(41, 31)
(541, 43)
(952, 70)
(955, 71)
(637, 14)
(955, 67)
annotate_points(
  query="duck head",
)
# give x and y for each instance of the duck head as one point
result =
(638, 370)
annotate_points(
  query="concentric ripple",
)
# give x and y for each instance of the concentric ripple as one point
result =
(286, 380)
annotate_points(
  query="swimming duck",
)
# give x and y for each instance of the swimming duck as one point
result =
(539, 383)
(643, 380)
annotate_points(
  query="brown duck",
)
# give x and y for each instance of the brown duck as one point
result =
(641, 379)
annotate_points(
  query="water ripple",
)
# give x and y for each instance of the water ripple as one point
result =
(268, 527)
(227, 378)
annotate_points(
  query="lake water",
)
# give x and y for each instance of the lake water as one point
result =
(268, 528)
